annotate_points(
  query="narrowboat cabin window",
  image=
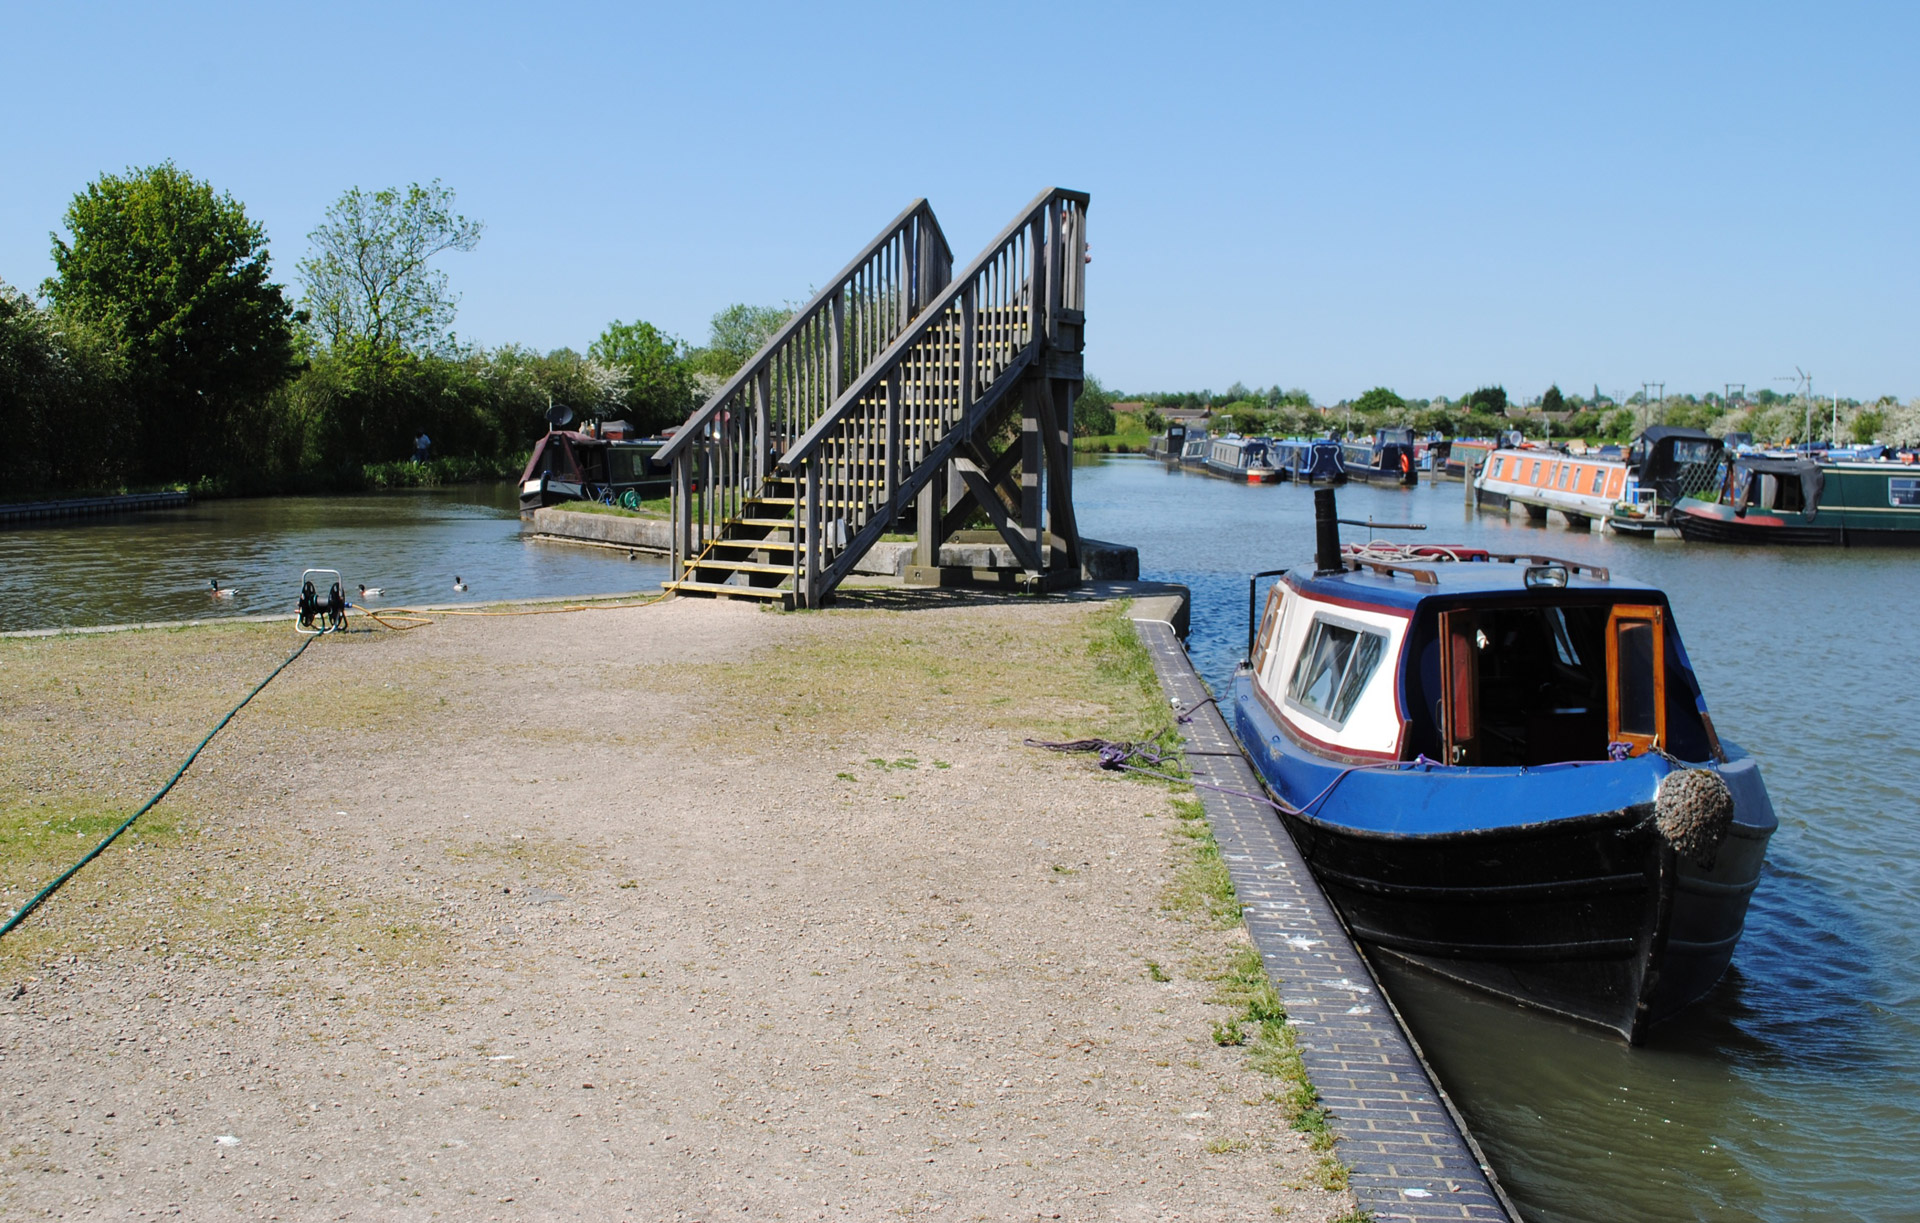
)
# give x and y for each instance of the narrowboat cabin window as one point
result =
(1903, 492)
(1269, 624)
(1599, 480)
(1333, 669)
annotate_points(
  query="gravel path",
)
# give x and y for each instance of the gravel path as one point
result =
(686, 912)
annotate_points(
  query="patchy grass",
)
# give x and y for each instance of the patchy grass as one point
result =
(184, 891)
(1257, 1022)
(540, 859)
(1022, 669)
(91, 724)
(1201, 887)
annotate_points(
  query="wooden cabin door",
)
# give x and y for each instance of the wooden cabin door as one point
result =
(1637, 677)
(1460, 683)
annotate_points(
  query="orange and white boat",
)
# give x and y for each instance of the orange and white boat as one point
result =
(1582, 487)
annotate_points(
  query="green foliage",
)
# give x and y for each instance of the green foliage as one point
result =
(660, 391)
(735, 334)
(1243, 418)
(1553, 400)
(1155, 422)
(1584, 424)
(1379, 399)
(1093, 410)
(175, 280)
(57, 379)
(1691, 415)
(1491, 400)
(370, 283)
(1868, 424)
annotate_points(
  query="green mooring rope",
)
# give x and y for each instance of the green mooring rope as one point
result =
(20, 914)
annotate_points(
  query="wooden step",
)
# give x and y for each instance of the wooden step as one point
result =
(708, 562)
(688, 586)
(770, 545)
(796, 501)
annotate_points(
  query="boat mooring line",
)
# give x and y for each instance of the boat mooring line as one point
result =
(1408, 1151)
(20, 914)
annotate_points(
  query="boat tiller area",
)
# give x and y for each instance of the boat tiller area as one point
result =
(317, 615)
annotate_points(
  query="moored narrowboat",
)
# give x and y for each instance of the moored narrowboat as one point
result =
(1241, 458)
(574, 466)
(1502, 770)
(1308, 460)
(1167, 446)
(1777, 499)
(1583, 488)
(1665, 465)
(1390, 456)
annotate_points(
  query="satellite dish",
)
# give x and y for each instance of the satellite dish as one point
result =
(559, 416)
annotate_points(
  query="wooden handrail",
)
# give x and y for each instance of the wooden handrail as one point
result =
(815, 306)
(883, 366)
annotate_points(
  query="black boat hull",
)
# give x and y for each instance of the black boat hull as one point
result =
(1596, 919)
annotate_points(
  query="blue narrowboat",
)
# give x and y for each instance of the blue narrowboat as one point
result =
(1390, 456)
(1502, 770)
(1241, 458)
(1309, 460)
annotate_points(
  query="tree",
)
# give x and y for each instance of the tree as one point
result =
(1491, 400)
(1553, 400)
(56, 375)
(370, 282)
(736, 334)
(1379, 399)
(660, 390)
(176, 280)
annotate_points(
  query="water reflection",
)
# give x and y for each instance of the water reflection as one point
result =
(1789, 1093)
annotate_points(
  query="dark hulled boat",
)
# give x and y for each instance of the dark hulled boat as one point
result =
(1502, 770)
(1390, 456)
(1787, 499)
(570, 466)
(1309, 460)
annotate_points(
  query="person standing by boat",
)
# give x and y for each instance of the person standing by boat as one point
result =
(422, 447)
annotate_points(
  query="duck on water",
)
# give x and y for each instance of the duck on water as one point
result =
(1502, 769)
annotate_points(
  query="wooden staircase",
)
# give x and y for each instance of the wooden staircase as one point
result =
(878, 406)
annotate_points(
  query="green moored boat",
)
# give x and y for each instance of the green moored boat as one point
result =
(1774, 499)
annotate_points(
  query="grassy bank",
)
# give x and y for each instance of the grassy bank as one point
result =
(653, 507)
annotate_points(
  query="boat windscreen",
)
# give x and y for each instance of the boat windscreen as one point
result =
(1333, 669)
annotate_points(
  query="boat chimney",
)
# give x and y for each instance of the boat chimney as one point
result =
(1326, 533)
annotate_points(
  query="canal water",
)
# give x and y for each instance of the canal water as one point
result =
(1792, 1093)
(408, 545)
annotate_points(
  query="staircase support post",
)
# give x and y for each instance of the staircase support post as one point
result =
(813, 542)
(1060, 395)
(893, 458)
(931, 508)
(1032, 464)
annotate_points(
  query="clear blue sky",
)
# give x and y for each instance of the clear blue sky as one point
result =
(1430, 197)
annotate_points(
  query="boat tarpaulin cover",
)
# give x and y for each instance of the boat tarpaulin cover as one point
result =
(1813, 481)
